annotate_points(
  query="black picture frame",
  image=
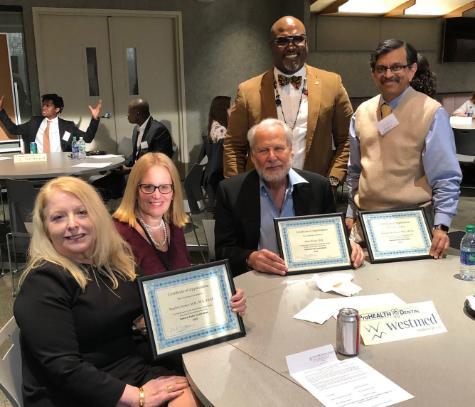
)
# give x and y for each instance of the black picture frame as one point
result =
(395, 255)
(190, 305)
(284, 225)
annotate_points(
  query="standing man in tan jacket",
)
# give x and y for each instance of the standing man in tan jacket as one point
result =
(312, 102)
(402, 150)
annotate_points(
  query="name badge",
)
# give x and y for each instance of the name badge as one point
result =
(66, 135)
(143, 145)
(387, 124)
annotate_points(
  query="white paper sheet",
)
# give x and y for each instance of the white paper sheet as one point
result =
(337, 282)
(92, 165)
(310, 359)
(320, 310)
(347, 383)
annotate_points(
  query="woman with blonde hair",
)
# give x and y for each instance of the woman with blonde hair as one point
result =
(151, 215)
(76, 308)
(151, 219)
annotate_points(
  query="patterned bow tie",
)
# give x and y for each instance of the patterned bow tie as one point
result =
(295, 81)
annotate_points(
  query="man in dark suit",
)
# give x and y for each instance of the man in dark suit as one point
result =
(50, 132)
(248, 203)
(311, 101)
(149, 134)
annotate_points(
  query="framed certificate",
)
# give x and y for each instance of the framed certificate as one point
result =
(396, 235)
(313, 243)
(189, 308)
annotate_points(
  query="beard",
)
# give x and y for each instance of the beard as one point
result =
(272, 177)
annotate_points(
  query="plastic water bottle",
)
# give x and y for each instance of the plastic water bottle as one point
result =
(74, 149)
(470, 111)
(82, 149)
(467, 254)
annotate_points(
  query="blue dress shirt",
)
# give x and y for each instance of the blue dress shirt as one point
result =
(267, 237)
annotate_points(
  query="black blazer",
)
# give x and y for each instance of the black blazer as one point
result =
(158, 140)
(29, 129)
(238, 213)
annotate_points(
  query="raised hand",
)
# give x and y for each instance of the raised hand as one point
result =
(96, 110)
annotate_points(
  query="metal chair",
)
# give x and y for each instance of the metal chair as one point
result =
(208, 226)
(10, 364)
(195, 202)
(21, 199)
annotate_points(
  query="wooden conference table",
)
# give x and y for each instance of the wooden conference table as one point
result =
(58, 164)
(252, 371)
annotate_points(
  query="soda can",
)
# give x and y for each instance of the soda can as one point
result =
(348, 332)
(33, 148)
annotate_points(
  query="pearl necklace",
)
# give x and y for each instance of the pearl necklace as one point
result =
(148, 228)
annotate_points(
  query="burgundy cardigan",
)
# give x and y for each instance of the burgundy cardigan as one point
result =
(151, 261)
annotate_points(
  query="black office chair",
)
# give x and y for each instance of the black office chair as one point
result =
(465, 145)
(21, 196)
(465, 141)
(195, 202)
(455, 237)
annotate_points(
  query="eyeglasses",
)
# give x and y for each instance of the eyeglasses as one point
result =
(294, 39)
(393, 68)
(150, 188)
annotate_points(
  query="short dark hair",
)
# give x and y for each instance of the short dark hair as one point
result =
(140, 106)
(386, 46)
(56, 99)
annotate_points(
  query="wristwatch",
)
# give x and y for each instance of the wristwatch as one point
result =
(442, 227)
(334, 181)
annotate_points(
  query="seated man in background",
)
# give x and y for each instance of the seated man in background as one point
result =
(51, 133)
(402, 150)
(149, 135)
(248, 203)
(467, 109)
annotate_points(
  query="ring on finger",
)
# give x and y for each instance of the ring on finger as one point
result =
(170, 388)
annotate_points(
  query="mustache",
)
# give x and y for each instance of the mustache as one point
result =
(393, 79)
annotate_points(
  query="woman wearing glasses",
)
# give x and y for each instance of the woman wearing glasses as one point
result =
(151, 215)
(151, 219)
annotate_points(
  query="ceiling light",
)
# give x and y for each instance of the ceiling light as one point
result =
(434, 7)
(369, 6)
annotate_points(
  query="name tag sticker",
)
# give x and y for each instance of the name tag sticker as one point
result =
(66, 135)
(143, 145)
(387, 124)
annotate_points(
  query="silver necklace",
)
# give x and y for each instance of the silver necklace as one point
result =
(148, 228)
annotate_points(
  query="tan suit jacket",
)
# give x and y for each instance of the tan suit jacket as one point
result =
(329, 113)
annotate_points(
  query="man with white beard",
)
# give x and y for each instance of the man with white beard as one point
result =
(248, 203)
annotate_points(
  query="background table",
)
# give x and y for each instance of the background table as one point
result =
(58, 164)
(251, 371)
(470, 126)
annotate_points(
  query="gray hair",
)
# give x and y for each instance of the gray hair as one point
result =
(251, 134)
